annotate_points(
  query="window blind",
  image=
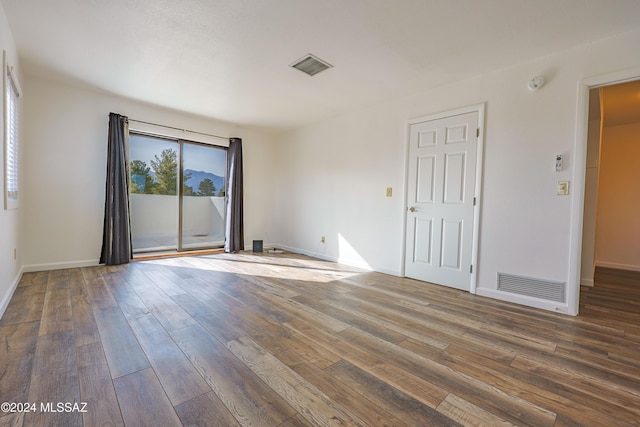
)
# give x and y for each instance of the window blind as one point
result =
(12, 136)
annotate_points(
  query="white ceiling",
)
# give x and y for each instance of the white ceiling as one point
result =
(230, 59)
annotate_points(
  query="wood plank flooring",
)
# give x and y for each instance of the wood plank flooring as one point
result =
(286, 340)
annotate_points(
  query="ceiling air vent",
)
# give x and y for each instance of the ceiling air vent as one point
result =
(311, 65)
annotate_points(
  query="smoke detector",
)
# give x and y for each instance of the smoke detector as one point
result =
(311, 65)
(535, 83)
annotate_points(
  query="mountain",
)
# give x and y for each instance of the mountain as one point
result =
(198, 176)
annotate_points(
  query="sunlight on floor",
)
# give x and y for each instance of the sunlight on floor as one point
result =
(285, 266)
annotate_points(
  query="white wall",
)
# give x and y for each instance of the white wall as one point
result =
(10, 220)
(330, 178)
(65, 168)
(618, 212)
(333, 174)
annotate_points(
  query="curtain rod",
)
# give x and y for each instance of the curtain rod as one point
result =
(175, 128)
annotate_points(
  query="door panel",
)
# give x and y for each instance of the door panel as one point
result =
(454, 174)
(441, 187)
(427, 138)
(457, 133)
(451, 244)
(153, 194)
(423, 240)
(425, 181)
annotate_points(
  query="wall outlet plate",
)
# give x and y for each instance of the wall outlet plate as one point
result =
(563, 188)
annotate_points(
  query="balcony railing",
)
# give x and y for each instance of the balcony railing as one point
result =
(154, 222)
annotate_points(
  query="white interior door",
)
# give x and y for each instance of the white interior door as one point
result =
(441, 191)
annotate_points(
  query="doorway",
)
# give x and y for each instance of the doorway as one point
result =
(444, 166)
(611, 219)
(177, 194)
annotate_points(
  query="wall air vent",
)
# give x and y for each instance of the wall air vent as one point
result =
(543, 289)
(311, 65)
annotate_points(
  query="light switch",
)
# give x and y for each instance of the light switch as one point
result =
(563, 188)
(389, 191)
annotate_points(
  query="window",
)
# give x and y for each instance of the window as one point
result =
(11, 136)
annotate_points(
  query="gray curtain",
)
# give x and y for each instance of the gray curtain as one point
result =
(116, 237)
(234, 232)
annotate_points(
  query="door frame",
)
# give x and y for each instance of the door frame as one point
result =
(480, 109)
(579, 178)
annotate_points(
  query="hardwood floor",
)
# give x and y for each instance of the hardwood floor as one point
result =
(286, 340)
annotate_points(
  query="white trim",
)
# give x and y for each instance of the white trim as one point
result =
(171, 133)
(61, 265)
(405, 198)
(524, 300)
(325, 257)
(617, 266)
(395, 273)
(447, 113)
(577, 200)
(302, 252)
(586, 282)
(478, 195)
(7, 298)
(480, 109)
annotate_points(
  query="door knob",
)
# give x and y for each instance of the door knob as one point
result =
(412, 209)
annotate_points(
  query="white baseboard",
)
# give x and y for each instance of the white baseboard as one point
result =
(524, 300)
(60, 265)
(617, 266)
(396, 273)
(586, 282)
(326, 257)
(7, 298)
(305, 252)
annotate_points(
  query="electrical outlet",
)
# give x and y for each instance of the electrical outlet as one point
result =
(322, 240)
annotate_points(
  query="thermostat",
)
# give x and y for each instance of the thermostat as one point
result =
(558, 162)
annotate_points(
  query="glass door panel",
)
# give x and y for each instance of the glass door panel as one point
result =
(203, 202)
(153, 195)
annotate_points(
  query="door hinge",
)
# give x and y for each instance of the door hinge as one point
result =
(471, 268)
(477, 132)
(474, 201)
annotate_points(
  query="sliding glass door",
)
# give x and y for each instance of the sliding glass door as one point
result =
(153, 193)
(177, 194)
(203, 196)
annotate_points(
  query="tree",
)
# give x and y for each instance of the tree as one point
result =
(206, 188)
(165, 168)
(187, 190)
(141, 179)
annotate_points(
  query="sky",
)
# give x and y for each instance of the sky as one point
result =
(196, 156)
